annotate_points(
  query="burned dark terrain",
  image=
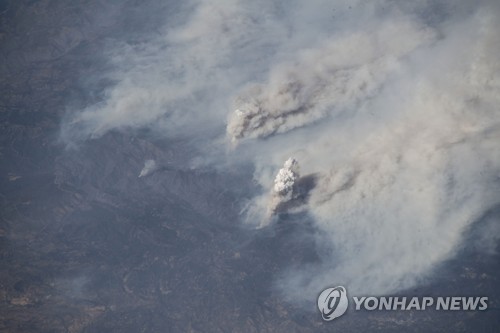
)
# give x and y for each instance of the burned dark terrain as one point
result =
(87, 246)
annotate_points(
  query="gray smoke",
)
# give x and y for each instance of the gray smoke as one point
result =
(410, 168)
(394, 107)
(325, 81)
(149, 167)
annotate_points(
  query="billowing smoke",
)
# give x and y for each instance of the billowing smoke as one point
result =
(392, 106)
(178, 79)
(408, 167)
(149, 167)
(401, 183)
(325, 81)
(286, 178)
(284, 185)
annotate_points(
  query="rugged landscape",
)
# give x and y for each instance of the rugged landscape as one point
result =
(87, 246)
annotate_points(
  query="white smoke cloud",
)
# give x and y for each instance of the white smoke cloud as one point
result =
(286, 178)
(149, 167)
(337, 76)
(393, 107)
(284, 189)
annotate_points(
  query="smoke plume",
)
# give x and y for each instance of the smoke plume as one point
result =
(149, 167)
(325, 81)
(284, 185)
(392, 106)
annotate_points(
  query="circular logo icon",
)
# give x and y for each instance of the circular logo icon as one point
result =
(332, 302)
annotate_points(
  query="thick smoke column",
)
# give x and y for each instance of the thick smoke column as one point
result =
(284, 184)
(149, 167)
(286, 178)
